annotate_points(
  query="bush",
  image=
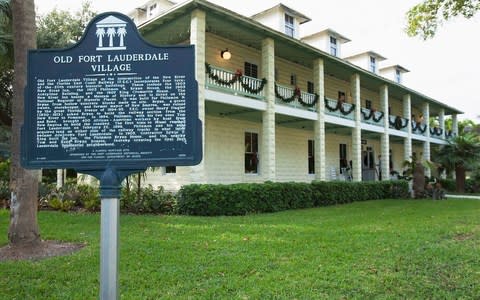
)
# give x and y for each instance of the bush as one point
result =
(338, 192)
(245, 198)
(153, 201)
(89, 197)
(448, 184)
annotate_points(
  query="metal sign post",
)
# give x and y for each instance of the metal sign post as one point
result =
(110, 106)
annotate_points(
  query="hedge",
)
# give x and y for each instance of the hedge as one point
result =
(246, 198)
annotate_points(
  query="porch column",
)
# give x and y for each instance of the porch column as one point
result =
(426, 144)
(267, 157)
(197, 38)
(385, 138)
(318, 75)
(455, 124)
(441, 120)
(357, 130)
(407, 114)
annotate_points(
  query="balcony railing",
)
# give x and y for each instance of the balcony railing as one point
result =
(339, 109)
(373, 117)
(398, 123)
(234, 82)
(419, 128)
(295, 98)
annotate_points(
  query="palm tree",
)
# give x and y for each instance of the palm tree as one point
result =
(121, 32)
(462, 153)
(23, 228)
(110, 32)
(100, 34)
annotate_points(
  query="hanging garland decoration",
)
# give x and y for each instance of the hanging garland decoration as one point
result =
(297, 94)
(436, 131)
(238, 76)
(377, 119)
(369, 116)
(339, 107)
(398, 123)
(418, 126)
(372, 115)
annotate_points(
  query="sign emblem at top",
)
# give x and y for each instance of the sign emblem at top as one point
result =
(111, 32)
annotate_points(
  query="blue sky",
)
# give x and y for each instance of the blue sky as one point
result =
(444, 68)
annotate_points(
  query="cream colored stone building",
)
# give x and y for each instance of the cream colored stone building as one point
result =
(269, 100)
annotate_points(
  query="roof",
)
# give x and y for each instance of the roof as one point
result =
(329, 31)
(367, 53)
(301, 17)
(174, 25)
(398, 67)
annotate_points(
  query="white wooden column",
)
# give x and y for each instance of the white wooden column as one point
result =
(267, 158)
(357, 130)
(426, 144)
(197, 38)
(407, 114)
(455, 124)
(318, 75)
(385, 138)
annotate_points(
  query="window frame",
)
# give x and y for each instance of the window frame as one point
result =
(311, 156)
(250, 69)
(251, 152)
(289, 26)
(373, 64)
(333, 46)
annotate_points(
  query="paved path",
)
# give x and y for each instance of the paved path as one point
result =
(461, 196)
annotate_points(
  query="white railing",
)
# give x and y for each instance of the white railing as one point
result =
(234, 83)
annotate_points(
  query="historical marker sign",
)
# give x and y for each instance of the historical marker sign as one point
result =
(112, 100)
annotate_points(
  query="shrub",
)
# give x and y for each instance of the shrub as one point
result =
(245, 198)
(63, 205)
(154, 201)
(89, 197)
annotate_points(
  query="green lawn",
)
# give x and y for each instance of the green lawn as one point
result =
(377, 249)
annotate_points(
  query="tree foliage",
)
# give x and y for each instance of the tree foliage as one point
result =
(461, 154)
(424, 18)
(60, 28)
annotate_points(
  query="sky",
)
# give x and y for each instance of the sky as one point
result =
(443, 68)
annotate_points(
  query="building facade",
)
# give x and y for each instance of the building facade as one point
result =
(276, 107)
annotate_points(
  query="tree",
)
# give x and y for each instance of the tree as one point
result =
(23, 183)
(462, 153)
(60, 28)
(424, 18)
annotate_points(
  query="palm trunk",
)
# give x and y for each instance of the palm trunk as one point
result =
(139, 185)
(23, 183)
(460, 178)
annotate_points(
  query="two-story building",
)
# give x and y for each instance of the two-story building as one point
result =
(275, 106)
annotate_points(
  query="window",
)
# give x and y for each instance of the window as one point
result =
(333, 46)
(170, 170)
(152, 9)
(293, 79)
(251, 152)
(373, 64)
(289, 26)
(343, 157)
(250, 70)
(368, 104)
(341, 96)
(311, 157)
(310, 87)
(398, 76)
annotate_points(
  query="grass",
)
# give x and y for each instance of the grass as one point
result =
(376, 249)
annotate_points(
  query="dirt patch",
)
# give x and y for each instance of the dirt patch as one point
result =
(42, 250)
(463, 236)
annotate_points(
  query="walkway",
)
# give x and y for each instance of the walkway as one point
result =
(449, 196)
